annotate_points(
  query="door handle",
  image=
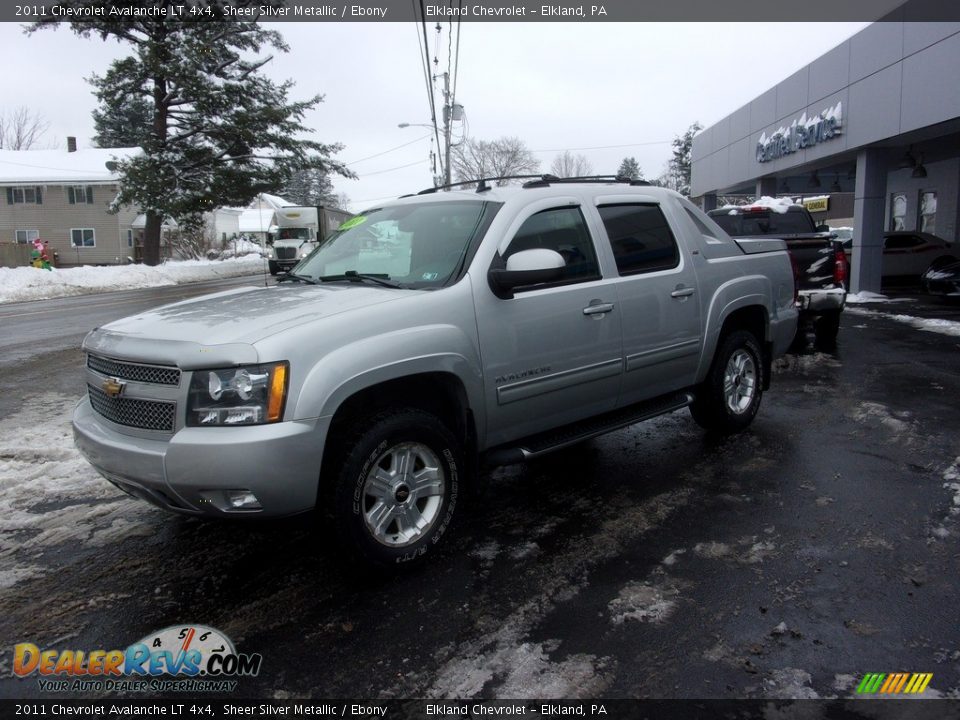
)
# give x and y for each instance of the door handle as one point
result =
(682, 292)
(598, 309)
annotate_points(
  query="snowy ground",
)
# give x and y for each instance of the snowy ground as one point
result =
(27, 283)
(937, 325)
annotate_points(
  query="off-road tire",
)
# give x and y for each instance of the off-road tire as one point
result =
(712, 407)
(376, 443)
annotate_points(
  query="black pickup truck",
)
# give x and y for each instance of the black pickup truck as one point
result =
(821, 265)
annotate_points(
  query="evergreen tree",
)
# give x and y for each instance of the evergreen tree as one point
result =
(219, 131)
(679, 166)
(310, 186)
(630, 168)
(124, 116)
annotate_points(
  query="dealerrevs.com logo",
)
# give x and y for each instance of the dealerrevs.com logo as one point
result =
(179, 658)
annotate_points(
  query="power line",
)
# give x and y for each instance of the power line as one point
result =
(381, 172)
(607, 147)
(370, 157)
(456, 64)
(426, 50)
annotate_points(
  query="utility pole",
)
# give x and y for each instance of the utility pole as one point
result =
(447, 126)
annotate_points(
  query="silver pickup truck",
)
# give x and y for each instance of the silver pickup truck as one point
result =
(428, 337)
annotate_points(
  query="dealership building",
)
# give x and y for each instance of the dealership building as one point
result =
(872, 128)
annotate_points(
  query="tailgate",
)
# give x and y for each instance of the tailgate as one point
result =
(752, 246)
(815, 260)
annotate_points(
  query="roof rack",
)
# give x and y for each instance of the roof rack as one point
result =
(481, 183)
(535, 181)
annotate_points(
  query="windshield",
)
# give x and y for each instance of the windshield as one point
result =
(418, 246)
(763, 223)
(300, 233)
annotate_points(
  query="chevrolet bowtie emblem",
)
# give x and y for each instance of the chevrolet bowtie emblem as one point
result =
(113, 387)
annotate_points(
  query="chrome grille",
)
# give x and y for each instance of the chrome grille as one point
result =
(286, 253)
(144, 414)
(154, 374)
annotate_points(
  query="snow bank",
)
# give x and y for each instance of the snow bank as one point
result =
(237, 248)
(865, 296)
(944, 327)
(27, 283)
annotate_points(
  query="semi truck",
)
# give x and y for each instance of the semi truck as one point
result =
(300, 229)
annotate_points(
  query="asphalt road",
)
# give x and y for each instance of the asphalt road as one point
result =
(50, 331)
(787, 561)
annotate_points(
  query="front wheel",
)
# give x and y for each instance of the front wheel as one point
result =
(729, 398)
(397, 487)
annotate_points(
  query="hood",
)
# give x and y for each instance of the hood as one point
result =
(241, 316)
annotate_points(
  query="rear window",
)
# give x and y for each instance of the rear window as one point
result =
(763, 223)
(640, 238)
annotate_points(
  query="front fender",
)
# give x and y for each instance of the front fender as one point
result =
(390, 356)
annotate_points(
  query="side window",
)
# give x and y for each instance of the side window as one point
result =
(640, 237)
(565, 231)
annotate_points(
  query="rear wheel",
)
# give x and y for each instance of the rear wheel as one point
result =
(729, 398)
(397, 487)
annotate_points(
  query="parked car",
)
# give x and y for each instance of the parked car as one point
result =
(842, 234)
(497, 325)
(943, 279)
(908, 253)
(822, 266)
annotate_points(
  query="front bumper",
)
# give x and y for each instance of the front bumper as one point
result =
(821, 300)
(189, 471)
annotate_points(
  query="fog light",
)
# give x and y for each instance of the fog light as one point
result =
(242, 500)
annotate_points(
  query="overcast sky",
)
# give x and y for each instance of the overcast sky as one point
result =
(554, 85)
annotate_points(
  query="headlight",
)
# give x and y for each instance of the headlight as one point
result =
(250, 395)
(270, 253)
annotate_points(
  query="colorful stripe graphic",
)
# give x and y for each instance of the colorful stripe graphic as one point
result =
(894, 683)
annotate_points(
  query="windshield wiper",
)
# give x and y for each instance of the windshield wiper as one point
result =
(354, 276)
(294, 276)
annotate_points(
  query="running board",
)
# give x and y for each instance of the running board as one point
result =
(543, 443)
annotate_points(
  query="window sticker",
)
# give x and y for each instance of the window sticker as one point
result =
(352, 222)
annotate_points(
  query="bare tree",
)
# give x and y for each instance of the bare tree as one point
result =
(343, 201)
(21, 129)
(566, 164)
(474, 159)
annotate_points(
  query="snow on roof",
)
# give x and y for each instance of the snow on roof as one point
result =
(274, 201)
(140, 222)
(256, 220)
(780, 205)
(59, 166)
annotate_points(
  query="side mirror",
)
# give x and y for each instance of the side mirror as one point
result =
(823, 228)
(527, 267)
(270, 242)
